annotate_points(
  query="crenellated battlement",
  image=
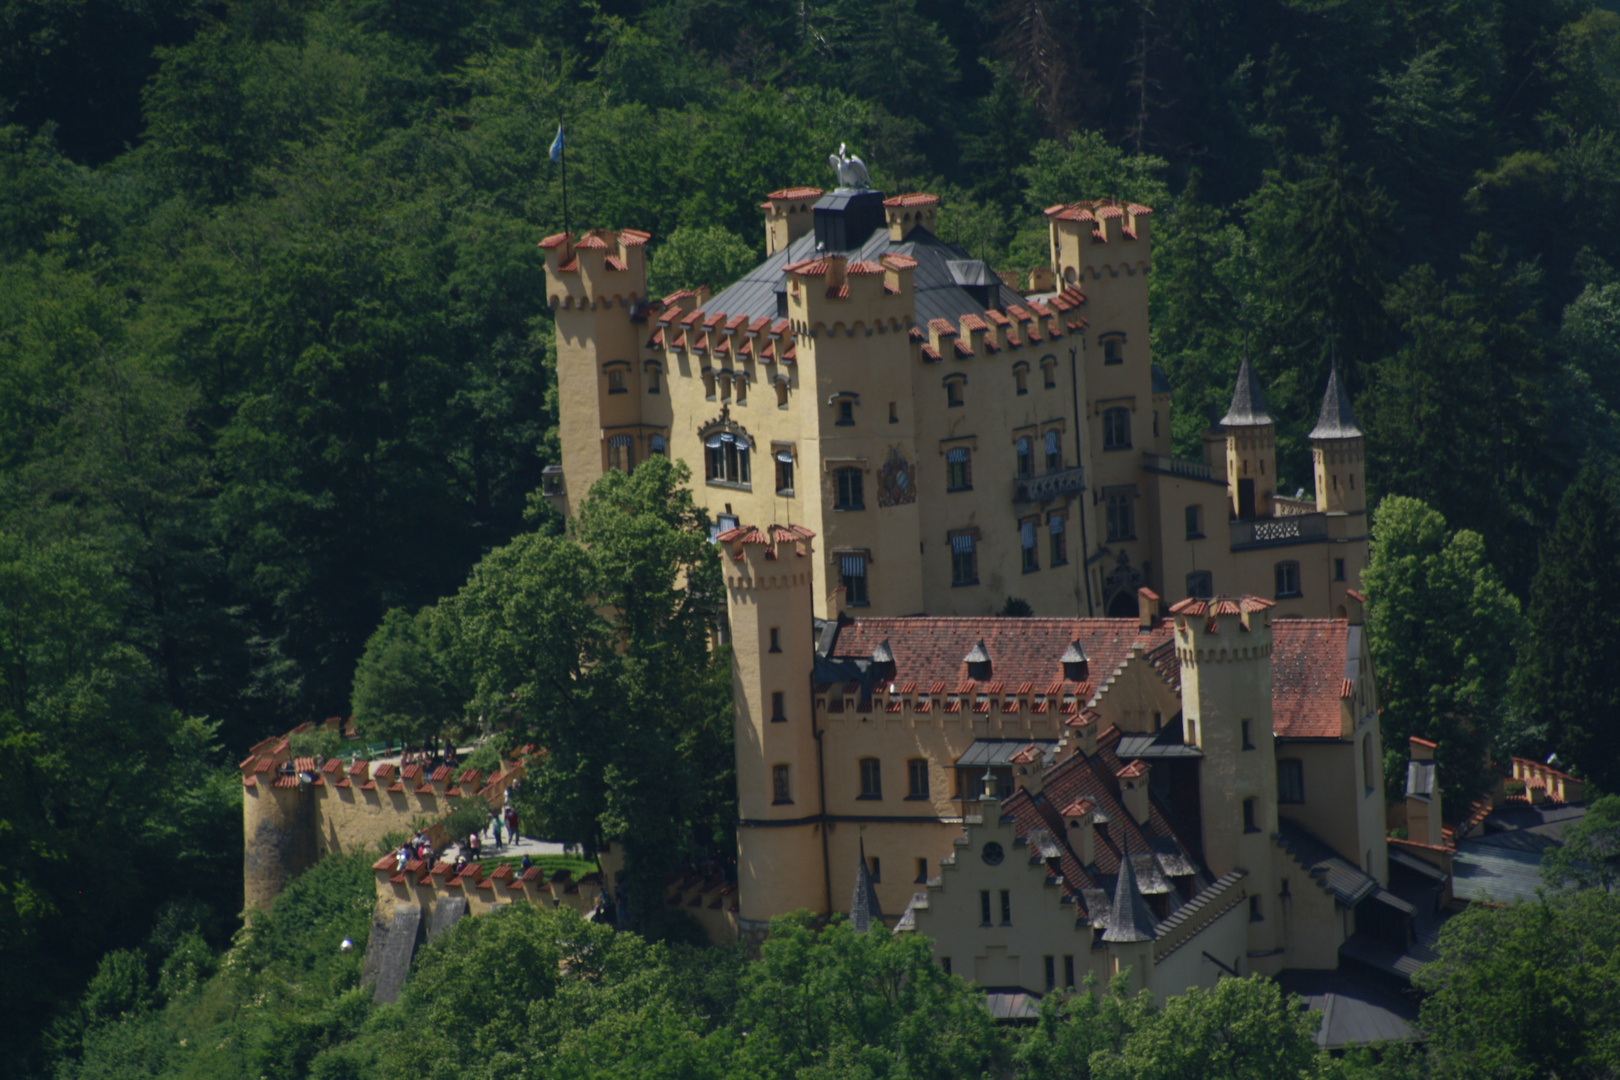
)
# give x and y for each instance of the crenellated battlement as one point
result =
(599, 268)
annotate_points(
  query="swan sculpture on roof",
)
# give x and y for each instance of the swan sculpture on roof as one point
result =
(851, 170)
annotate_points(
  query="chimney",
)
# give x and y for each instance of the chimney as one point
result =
(1133, 790)
(1082, 834)
(835, 271)
(973, 331)
(1354, 606)
(1028, 769)
(1147, 606)
(788, 216)
(1041, 280)
(1084, 725)
(1423, 810)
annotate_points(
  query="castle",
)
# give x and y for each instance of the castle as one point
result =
(1183, 792)
(951, 441)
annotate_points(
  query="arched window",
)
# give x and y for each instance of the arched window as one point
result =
(958, 469)
(917, 778)
(1113, 348)
(953, 390)
(1026, 543)
(1054, 451)
(1026, 458)
(655, 376)
(1117, 428)
(1021, 378)
(1287, 579)
(726, 459)
(784, 471)
(621, 453)
(871, 778)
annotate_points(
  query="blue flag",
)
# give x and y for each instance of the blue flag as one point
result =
(557, 145)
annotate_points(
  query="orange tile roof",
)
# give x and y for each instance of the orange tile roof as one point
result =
(1307, 677)
(915, 198)
(795, 193)
(897, 261)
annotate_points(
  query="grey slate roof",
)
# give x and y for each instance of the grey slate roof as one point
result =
(978, 654)
(1012, 1004)
(1356, 1007)
(1498, 874)
(864, 908)
(938, 295)
(1129, 919)
(1342, 878)
(1336, 420)
(1248, 408)
(985, 752)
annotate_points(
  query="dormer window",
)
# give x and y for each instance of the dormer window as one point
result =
(978, 661)
(1074, 661)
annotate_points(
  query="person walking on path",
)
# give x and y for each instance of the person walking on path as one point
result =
(495, 825)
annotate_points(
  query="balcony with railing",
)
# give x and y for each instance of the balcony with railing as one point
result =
(1190, 470)
(1028, 489)
(1286, 507)
(1279, 531)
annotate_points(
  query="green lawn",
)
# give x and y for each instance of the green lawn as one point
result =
(574, 864)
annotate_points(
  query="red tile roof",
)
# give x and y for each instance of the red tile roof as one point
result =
(1021, 650)
(1307, 677)
(896, 261)
(795, 193)
(915, 198)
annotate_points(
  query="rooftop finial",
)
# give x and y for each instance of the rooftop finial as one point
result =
(851, 170)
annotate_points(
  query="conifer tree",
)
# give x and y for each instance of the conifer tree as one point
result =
(1568, 678)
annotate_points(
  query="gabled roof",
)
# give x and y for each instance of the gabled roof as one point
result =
(1336, 420)
(1248, 408)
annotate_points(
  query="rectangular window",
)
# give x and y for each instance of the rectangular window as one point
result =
(1006, 908)
(917, 778)
(894, 413)
(778, 706)
(1051, 973)
(946, 964)
(727, 459)
(850, 496)
(846, 412)
(776, 642)
(953, 393)
(1338, 569)
(654, 380)
(964, 562)
(1195, 522)
(1026, 457)
(958, 470)
(621, 453)
(1054, 451)
(1290, 780)
(922, 872)
(1113, 350)
(1058, 540)
(877, 869)
(853, 569)
(1254, 910)
(984, 907)
(1116, 429)
(1287, 579)
(783, 793)
(1026, 541)
(871, 778)
(1021, 379)
(1247, 745)
(616, 381)
(1250, 824)
(784, 472)
(1121, 516)
(1068, 973)
(1049, 373)
(1201, 584)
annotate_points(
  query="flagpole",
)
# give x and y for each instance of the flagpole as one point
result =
(562, 162)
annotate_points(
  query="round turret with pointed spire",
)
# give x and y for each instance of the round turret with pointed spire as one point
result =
(1251, 447)
(1337, 453)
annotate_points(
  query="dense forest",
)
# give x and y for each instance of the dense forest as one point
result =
(275, 362)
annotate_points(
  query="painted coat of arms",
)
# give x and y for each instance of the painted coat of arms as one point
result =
(897, 480)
